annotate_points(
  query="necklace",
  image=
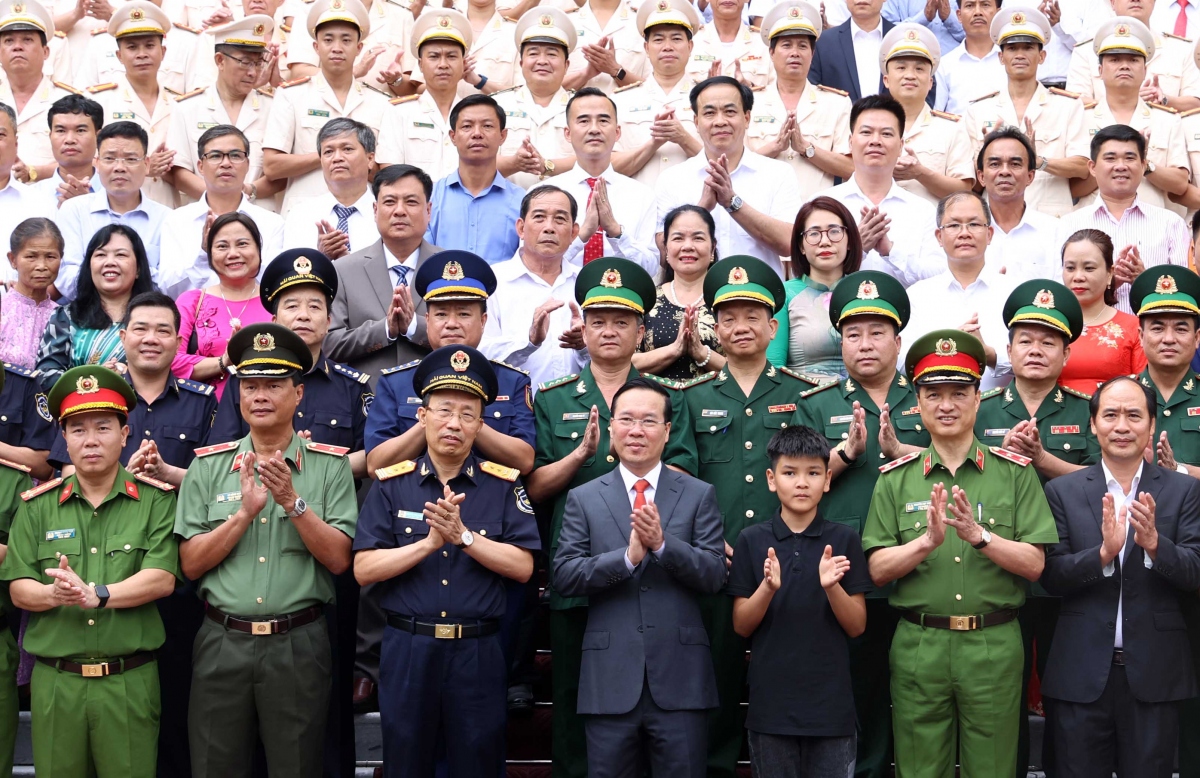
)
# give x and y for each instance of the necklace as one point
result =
(674, 298)
(1087, 324)
(235, 322)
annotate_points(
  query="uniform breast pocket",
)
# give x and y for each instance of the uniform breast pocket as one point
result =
(762, 128)
(123, 555)
(221, 512)
(486, 526)
(912, 526)
(998, 519)
(409, 527)
(1053, 144)
(775, 422)
(49, 552)
(177, 443)
(314, 121)
(568, 435)
(11, 424)
(499, 416)
(909, 429)
(1068, 448)
(934, 158)
(422, 145)
(520, 127)
(292, 542)
(335, 428)
(837, 432)
(1169, 83)
(714, 442)
(1186, 442)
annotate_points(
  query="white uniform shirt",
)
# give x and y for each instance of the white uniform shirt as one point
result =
(414, 133)
(196, 113)
(824, 116)
(636, 108)
(962, 77)
(747, 48)
(622, 32)
(121, 103)
(184, 263)
(866, 56)
(1173, 62)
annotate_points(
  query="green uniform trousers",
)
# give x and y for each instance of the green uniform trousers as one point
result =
(870, 682)
(95, 727)
(726, 722)
(956, 688)
(246, 687)
(9, 705)
(569, 744)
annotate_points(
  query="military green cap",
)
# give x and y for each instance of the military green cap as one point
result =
(945, 356)
(869, 293)
(742, 277)
(1165, 289)
(269, 351)
(90, 388)
(1047, 303)
(614, 283)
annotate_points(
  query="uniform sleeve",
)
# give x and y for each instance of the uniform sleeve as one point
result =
(191, 506)
(1079, 74)
(1091, 453)
(1189, 84)
(390, 150)
(362, 407)
(177, 140)
(210, 415)
(281, 124)
(524, 423)
(1076, 132)
(746, 574)
(163, 551)
(1035, 522)
(340, 504)
(960, 162)
(857, 579)
(375, 521)
(841, 128)
(229, 424)
(1177, 155)
(10, 500)
(681, 445)
(384, 422)
(880, 530)
(545, 454)
(40, 432)
(58, 453)
(520, 526)
(21, 560)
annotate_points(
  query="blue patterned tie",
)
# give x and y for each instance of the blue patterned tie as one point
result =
(401, 275)
(343, 214)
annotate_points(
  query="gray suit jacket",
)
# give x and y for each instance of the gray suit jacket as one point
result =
(357, 333)
(646, 625)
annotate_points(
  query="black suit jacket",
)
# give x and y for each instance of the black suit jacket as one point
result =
(1158, 659)
(834, 63)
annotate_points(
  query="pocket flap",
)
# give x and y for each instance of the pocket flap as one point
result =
(716, 424)
(51, 549)
(126, 544)
(693, 636)
(595, 641)
(336, 420)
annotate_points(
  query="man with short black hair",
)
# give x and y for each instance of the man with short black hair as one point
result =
(74, 122)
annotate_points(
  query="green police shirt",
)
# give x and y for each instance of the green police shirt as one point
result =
(1179, 417)
(270, 572)
(1063, 423)
(732, 432)
(129, 531)
(14, 479)
(561, 410)
(955, 579)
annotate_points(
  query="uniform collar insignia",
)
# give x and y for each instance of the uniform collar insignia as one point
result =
(1191, 382)
(1145, 381)
(721, 376)
(903, 381)
(849, 385)
(237, 462)
(1008, 394)
(471, 471)
(928, 464)
(66, 492)
(424, 468)
(1058, 396)
(771, 371)
(979, 458)
(131, 489)
(580, 387)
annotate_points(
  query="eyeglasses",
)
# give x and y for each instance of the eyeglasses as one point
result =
(628, 422)
(812, 236)
(130, 160)
(236, 156)
(954, 228)
(248, 64)
(444, 415)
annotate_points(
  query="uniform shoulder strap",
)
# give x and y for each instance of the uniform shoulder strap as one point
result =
(391, 471)
(500, 471)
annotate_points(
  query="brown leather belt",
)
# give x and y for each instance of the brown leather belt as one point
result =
(960, 623)
(271, 625)
(443, 631)
(122, 664)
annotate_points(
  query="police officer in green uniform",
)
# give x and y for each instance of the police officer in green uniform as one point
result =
(869, 419)
(959, 527)
(88, 555)
(572, 418)
(265, 522)
(734, 413)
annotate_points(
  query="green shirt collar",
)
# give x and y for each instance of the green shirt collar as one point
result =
(294, 455)
(977, 457)
(124, 485)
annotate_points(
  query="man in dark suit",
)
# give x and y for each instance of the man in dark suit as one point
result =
(1129, 546)
(834, 62)
(642, 542)
(376, 324)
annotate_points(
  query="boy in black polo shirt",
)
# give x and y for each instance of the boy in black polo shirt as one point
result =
(799, 583)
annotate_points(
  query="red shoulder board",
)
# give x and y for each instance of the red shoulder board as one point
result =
(1004, 453)
(897, 462)
(166, 487)
(204, 451)
(14, 465)
(41, 488)
(337, 451)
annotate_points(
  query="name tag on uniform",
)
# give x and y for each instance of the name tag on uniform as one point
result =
(501, 398)
(786, 407)
(229, 497)
(714, 413)
(60, 534)
(999, 433)
(704, 58)
(648, 107)
(516, 114)
(414, 400)
(1193, 411)
(1065, 429)
(315, 112)
(123, 115)
(205, 125)
(410, 515)
(849, 417)
(764, 119)
(581, 416)
(426, 125)
(916, 507)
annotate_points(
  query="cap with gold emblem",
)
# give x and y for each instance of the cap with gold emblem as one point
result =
(945, 357)
(138, 17)
(249, 32)
(1165, 289)
(454, 275)
(1124, 35)
(909, 40)
(743, 278)
(26, 15)
(1020, 24)
(546, 25)
(614, 283)
(268, 351)
(680, 13)
(456, 367)
(869, 293)
(791, 17)
(349, 11)
(1047, 303)
(293, 268)
(90, 388)
(441, 24)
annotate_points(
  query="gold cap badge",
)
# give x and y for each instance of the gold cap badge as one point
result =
(611, 279)
(793, 13)
(868, 291)
(1166, 285)
(259, 29)
(1018, 18)
(738, 276)
(546, 20)
(460, 361)
(87, 384)
(264, 341)
(1044, 299)
(946, 347)
(137, 14)
(452, 271)
(302, 265)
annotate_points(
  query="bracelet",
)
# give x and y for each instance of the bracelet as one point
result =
(221, 363)
(707, 356)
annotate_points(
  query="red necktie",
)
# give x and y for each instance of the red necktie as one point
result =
(1181, 20)
(640, 487)
(594, 248)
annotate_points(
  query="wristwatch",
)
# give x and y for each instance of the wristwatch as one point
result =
(548, 165)
(102, 593)
(1043, 163)
(468, 537)
(841, 451)
(735, 204)
(1150, 167)
(298, 509)
(811, 151)
(620, 76)
(482, 82)
(986, 538)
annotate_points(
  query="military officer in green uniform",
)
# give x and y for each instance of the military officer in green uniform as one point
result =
(959, 528)
(869, 419)
(265, 522)
(734, 414)
(88, 555)
(572, 418)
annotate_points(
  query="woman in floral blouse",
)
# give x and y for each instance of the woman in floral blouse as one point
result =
(1109, 345)
(36, 252)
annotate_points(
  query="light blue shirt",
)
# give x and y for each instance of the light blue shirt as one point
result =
(81, 217)
(483, 224)
(949, 33)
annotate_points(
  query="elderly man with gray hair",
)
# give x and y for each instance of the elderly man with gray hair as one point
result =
(342, 219)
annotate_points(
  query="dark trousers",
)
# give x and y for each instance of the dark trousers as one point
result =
(1116, 732)
(1038, 617)
(673, 742)
(182, 612)
(726, 724)
(342, 618)
(448, 690)
(870, 679)
(789, 756)
(1189, 710)
(368, 634)
(569, 741)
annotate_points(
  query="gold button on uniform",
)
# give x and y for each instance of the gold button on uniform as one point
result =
(93, 550)
(749, 445)
(958, 596)
(445, 582)
(991, 521)
(127, 546)
(1066, 447)
(1167, 412)
(496, 414)
(749, 411)
(260, 600)
(483, 532)
(749, 514)
(611, 458)
(749, 478)
(408, 530)
(574, 435)
(263, 519)
(443, 614)
(713, 428)
(845, 436)
(958, 559)
(445, 553)
(262, 559)
(91, 622)
(333, 422)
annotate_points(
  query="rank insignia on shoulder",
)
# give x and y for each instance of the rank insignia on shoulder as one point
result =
(992, 393)
(634, 85)
(698, 380)
(1004, 453)
(14, 465)
(500, 471)
(98, 88)
(904, 460)
(29, 373)
(325, 448)
(557, 382)
(820, 388)
(984, 97)
(295, 82)
(391, 471)
(29, 494)
(801, 376)
(510, 367)
(945, 115)
(196, 386)
(1063, 93)
(166, 487)
(187, 95)
(398, 368)
(405, 99)
(351, 373)
(833, 90)
(204, 451)
(68, 88)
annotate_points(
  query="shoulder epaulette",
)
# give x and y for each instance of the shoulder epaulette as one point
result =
(398, 368)
(325, 448)
(833, 90)
(98, 88)
(794, 374)
(199, 387)
(819, 388)
(166, 487)
(1063, 93)
(391, 471)
(204, 451)
(29, 372)
(286, 28)
(1190, 112)
(991, 393)
(755, 28)
(187, 95)
(1076, 392)
(351, 373)
(567, 379)
(98, 31)
(1162, 107)
(510, 367)
(265, 91)
(179, 26)
(627, 86)
(667, 382)
(500, 471)
(385, 92)
(985, 97)
(405, 99)
(1176, 37)
(15, 465)
(1004, 453)
(698, 380)
(1091, 105)
(67, 88)
(1081, 43)
(904, 460)
(505, 91)
(59, 34)
(946, 115)
(29, 494)
(295, 82)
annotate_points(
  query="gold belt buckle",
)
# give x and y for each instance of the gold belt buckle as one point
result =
(447, 631)
(95, 671)
(963, 623)
(260, 628)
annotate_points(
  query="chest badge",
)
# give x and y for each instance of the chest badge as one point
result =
(60, 534)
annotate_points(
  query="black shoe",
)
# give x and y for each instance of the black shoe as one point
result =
(520, 698)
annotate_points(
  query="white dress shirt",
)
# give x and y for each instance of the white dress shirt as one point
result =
(916, 254)
(767, 185)
(630, 480)
(184, 263)
(19, 202)
(46, 190)
(393, 264)
(962, 77)
(1162, 18)
(1030, 250)
(518, 293)
(300, 227)
(1161, 236)
(941, 302)
(633, 207)
(79, 219)
(1122, 500)
(866, 56)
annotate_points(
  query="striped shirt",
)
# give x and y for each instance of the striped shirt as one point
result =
(1162, 237)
